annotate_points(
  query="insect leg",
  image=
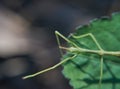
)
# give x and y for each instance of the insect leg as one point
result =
(92, 36)
(58, 42)
(98, 45)
(58, 64)
(50, 68)
(101, 72)
(66, 39)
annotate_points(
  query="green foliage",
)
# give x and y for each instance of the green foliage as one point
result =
(83, 71)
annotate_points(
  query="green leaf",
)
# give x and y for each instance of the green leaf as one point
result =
(83, 71)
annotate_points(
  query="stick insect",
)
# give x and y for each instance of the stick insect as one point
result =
(75, 48)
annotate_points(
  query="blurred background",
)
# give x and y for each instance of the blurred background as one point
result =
(27, 39)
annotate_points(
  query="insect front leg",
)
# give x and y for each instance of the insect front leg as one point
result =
(56, 65)
(50, 68)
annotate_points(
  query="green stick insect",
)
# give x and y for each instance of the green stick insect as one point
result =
(75, 49)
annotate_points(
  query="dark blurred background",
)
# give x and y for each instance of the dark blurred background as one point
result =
(27, 39)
